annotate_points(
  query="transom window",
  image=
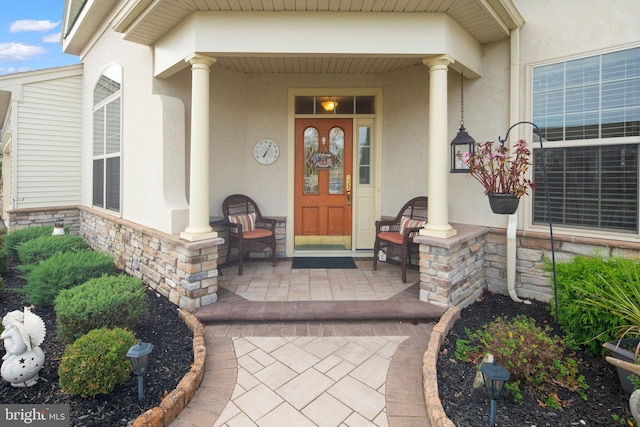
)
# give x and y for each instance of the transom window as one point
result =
(335, 105)
(107, 139)
(588, 111)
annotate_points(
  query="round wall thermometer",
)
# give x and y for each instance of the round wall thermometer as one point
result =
(266, 151)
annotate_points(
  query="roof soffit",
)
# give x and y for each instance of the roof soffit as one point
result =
(91, 17)
(146, 21)
(262, 42)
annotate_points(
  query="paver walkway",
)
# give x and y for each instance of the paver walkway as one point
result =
(317, 371)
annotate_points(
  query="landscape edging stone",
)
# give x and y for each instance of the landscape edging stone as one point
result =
(435, 412)
(178, 399)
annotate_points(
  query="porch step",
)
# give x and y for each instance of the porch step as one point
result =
(321, 311)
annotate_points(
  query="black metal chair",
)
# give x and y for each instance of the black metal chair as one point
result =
(395, 237)
(249, 231)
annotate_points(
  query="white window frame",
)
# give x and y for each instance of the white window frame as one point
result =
(114, 72)
(535, 144)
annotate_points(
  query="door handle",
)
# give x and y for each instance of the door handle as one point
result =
(348, 189)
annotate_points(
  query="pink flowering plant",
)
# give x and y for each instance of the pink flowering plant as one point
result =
(497, 170)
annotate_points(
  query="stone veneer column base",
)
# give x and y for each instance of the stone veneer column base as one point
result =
(452, 270)
(184, 272)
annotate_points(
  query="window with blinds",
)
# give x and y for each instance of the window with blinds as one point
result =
(107, 139)
(575, 102)
(589, 98)
(589, 187)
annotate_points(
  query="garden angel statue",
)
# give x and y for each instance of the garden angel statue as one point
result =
(23, 333)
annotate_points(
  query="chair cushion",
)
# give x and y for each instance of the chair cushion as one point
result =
(257, 233)
(406, 222)
(391, 236)
(248, 221)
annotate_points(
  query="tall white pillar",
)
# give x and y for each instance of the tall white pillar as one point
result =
(199, 228)
(438, 163)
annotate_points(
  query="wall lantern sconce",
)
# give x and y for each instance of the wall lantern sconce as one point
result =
(58, 228)
(139, 357)
(463, 142)
(494, 376)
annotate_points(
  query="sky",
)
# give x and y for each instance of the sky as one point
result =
(30, 36)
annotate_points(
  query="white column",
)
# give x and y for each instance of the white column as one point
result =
(199, 228)
(439, 150)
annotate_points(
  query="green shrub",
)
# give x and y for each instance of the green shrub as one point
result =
(15, 238)
(107, 301)
(63, 271)
(618, 294)
(96, 362)
(3, 260)
(43, 247)
(588, 325)
(533, 357)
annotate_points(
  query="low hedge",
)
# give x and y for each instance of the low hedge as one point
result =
(63, 271)
(15, 238)
(33, 251)
(111, 301)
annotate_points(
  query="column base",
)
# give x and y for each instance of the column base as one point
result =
(426, 296)
(441, 231)
(194, 237)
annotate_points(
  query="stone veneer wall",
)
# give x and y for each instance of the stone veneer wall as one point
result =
(184, 272)
(44, 216)
(533, 248)
(455, 271)
(452, 270)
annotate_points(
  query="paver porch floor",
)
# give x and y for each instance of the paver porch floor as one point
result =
(297, 347)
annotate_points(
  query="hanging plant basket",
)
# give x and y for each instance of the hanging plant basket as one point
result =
(504, 204)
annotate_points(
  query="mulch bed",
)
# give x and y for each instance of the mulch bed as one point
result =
(607, 404)
(170, 360)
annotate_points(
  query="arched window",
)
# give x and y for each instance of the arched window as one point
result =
(107, 139)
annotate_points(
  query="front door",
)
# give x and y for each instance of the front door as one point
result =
(323, 183)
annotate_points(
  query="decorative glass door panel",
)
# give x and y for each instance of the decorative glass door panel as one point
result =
(336, 173)
(310, 171)
(323, 180)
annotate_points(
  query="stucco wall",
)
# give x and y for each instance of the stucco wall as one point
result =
(546, 36)
(263, 114)
(152, 175)
(248, 107)
(405, 137)
(596, 25)
(244, 109)
(486, 116)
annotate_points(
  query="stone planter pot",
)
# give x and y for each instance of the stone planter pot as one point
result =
(504, 204)
(623, 350)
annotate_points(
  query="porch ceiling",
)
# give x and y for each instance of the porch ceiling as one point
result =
(147, 21)
(315, 65)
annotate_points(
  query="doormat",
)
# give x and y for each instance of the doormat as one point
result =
(323, 262)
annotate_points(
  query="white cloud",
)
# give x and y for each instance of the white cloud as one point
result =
(11, 70)
(18, 51)
(52, 38)
(32, 25)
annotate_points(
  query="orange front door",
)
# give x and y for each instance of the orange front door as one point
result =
(323, 184)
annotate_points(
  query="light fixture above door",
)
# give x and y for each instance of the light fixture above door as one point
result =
(330, 104)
